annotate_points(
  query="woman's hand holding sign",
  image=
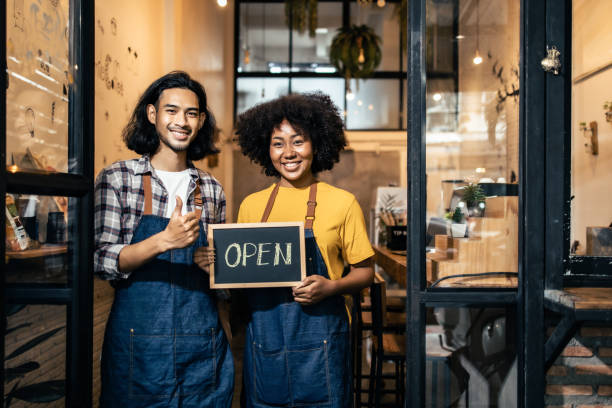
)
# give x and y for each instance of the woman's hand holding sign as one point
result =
(313, 289)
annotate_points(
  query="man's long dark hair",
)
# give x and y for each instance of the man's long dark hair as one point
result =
(141, 136)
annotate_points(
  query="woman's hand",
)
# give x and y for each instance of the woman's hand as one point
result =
(203, 257)
(314, 289)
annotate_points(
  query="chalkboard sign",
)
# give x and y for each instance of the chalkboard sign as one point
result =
(255, 255)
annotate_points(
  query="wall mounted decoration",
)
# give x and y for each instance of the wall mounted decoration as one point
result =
(591, 143)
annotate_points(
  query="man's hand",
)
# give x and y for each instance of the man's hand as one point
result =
(182, 230)
(203, 257)
(313, 289)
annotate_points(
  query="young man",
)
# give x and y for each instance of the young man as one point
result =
(163, 346)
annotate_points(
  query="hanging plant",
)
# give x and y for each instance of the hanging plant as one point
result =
(299, 13)
(355, 51)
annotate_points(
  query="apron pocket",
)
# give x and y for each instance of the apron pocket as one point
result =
(196, 363)
(309, 374)
(151, 366)
(270, 376)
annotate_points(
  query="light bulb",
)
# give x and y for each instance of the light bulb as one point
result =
(247, 57)
(350, 95)
(477, 58)
(437, 97)
(222, 3)
(381, 3)
(361, 58)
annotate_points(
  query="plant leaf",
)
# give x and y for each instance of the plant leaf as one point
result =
(14, 372)
(32, 343)
(47, 391)
(9, 396)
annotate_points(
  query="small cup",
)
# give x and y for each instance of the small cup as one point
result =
(396, 237)
(56, 228)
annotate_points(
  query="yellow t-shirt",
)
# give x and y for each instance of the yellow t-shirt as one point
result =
(339, 227)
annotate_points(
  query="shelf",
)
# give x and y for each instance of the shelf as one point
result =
(43, 251)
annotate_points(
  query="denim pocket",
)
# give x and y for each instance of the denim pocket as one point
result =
(270, 376)
(151, 366)
(195, 362)
(309, 373)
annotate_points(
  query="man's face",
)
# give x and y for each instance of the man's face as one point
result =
(177, 118)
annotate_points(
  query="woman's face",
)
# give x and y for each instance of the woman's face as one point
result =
(291, 154)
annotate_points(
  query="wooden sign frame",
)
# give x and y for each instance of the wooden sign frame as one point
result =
(263, 225)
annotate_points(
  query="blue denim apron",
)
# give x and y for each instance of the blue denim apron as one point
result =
(296, 355)
(164, 345)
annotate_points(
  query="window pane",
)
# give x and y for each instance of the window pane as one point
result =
(312, 54)
(470, 358)
(386, 25)
(373, 104)
(472, 144)
(38, 232)
(251, 91)
(333, 87)
(264, 38)
(591, 177)
(39, 80)
(35, 355)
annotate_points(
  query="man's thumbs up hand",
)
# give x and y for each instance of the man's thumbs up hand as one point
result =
(182, 230)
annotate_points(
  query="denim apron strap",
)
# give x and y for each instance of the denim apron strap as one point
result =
(198, 200)
(310, 212)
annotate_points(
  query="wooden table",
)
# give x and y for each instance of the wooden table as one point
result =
(394, 264)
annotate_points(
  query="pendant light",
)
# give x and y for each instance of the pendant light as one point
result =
(477, 58)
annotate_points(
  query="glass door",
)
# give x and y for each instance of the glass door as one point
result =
(476, 214)
(47, 181)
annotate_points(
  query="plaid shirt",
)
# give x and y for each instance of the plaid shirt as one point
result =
(119, 204)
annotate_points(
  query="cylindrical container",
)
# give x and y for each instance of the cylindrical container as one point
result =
(56, 228)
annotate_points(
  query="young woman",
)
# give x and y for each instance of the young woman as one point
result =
(297, 347)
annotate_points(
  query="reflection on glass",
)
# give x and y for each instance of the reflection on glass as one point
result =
(470, 358)
(385, 23)
(37, 233)
(251, 91)
(372, 104)
(39, 78)
(472, 143)
(35, 355)
(264, 38)
(311, 54)
(334, 87)
(591, 206)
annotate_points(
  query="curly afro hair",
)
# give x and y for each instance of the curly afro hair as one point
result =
(141, 136)
(313, 114)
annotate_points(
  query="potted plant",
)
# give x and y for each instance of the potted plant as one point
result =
(355, 51)
(474, 198)
(298, 13)
(458, 225)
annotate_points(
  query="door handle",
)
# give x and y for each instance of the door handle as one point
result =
(551, 62)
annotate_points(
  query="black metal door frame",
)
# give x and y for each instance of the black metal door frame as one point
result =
(77, 295)
(528, 297)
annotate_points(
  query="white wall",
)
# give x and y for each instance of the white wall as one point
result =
(591, 175)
